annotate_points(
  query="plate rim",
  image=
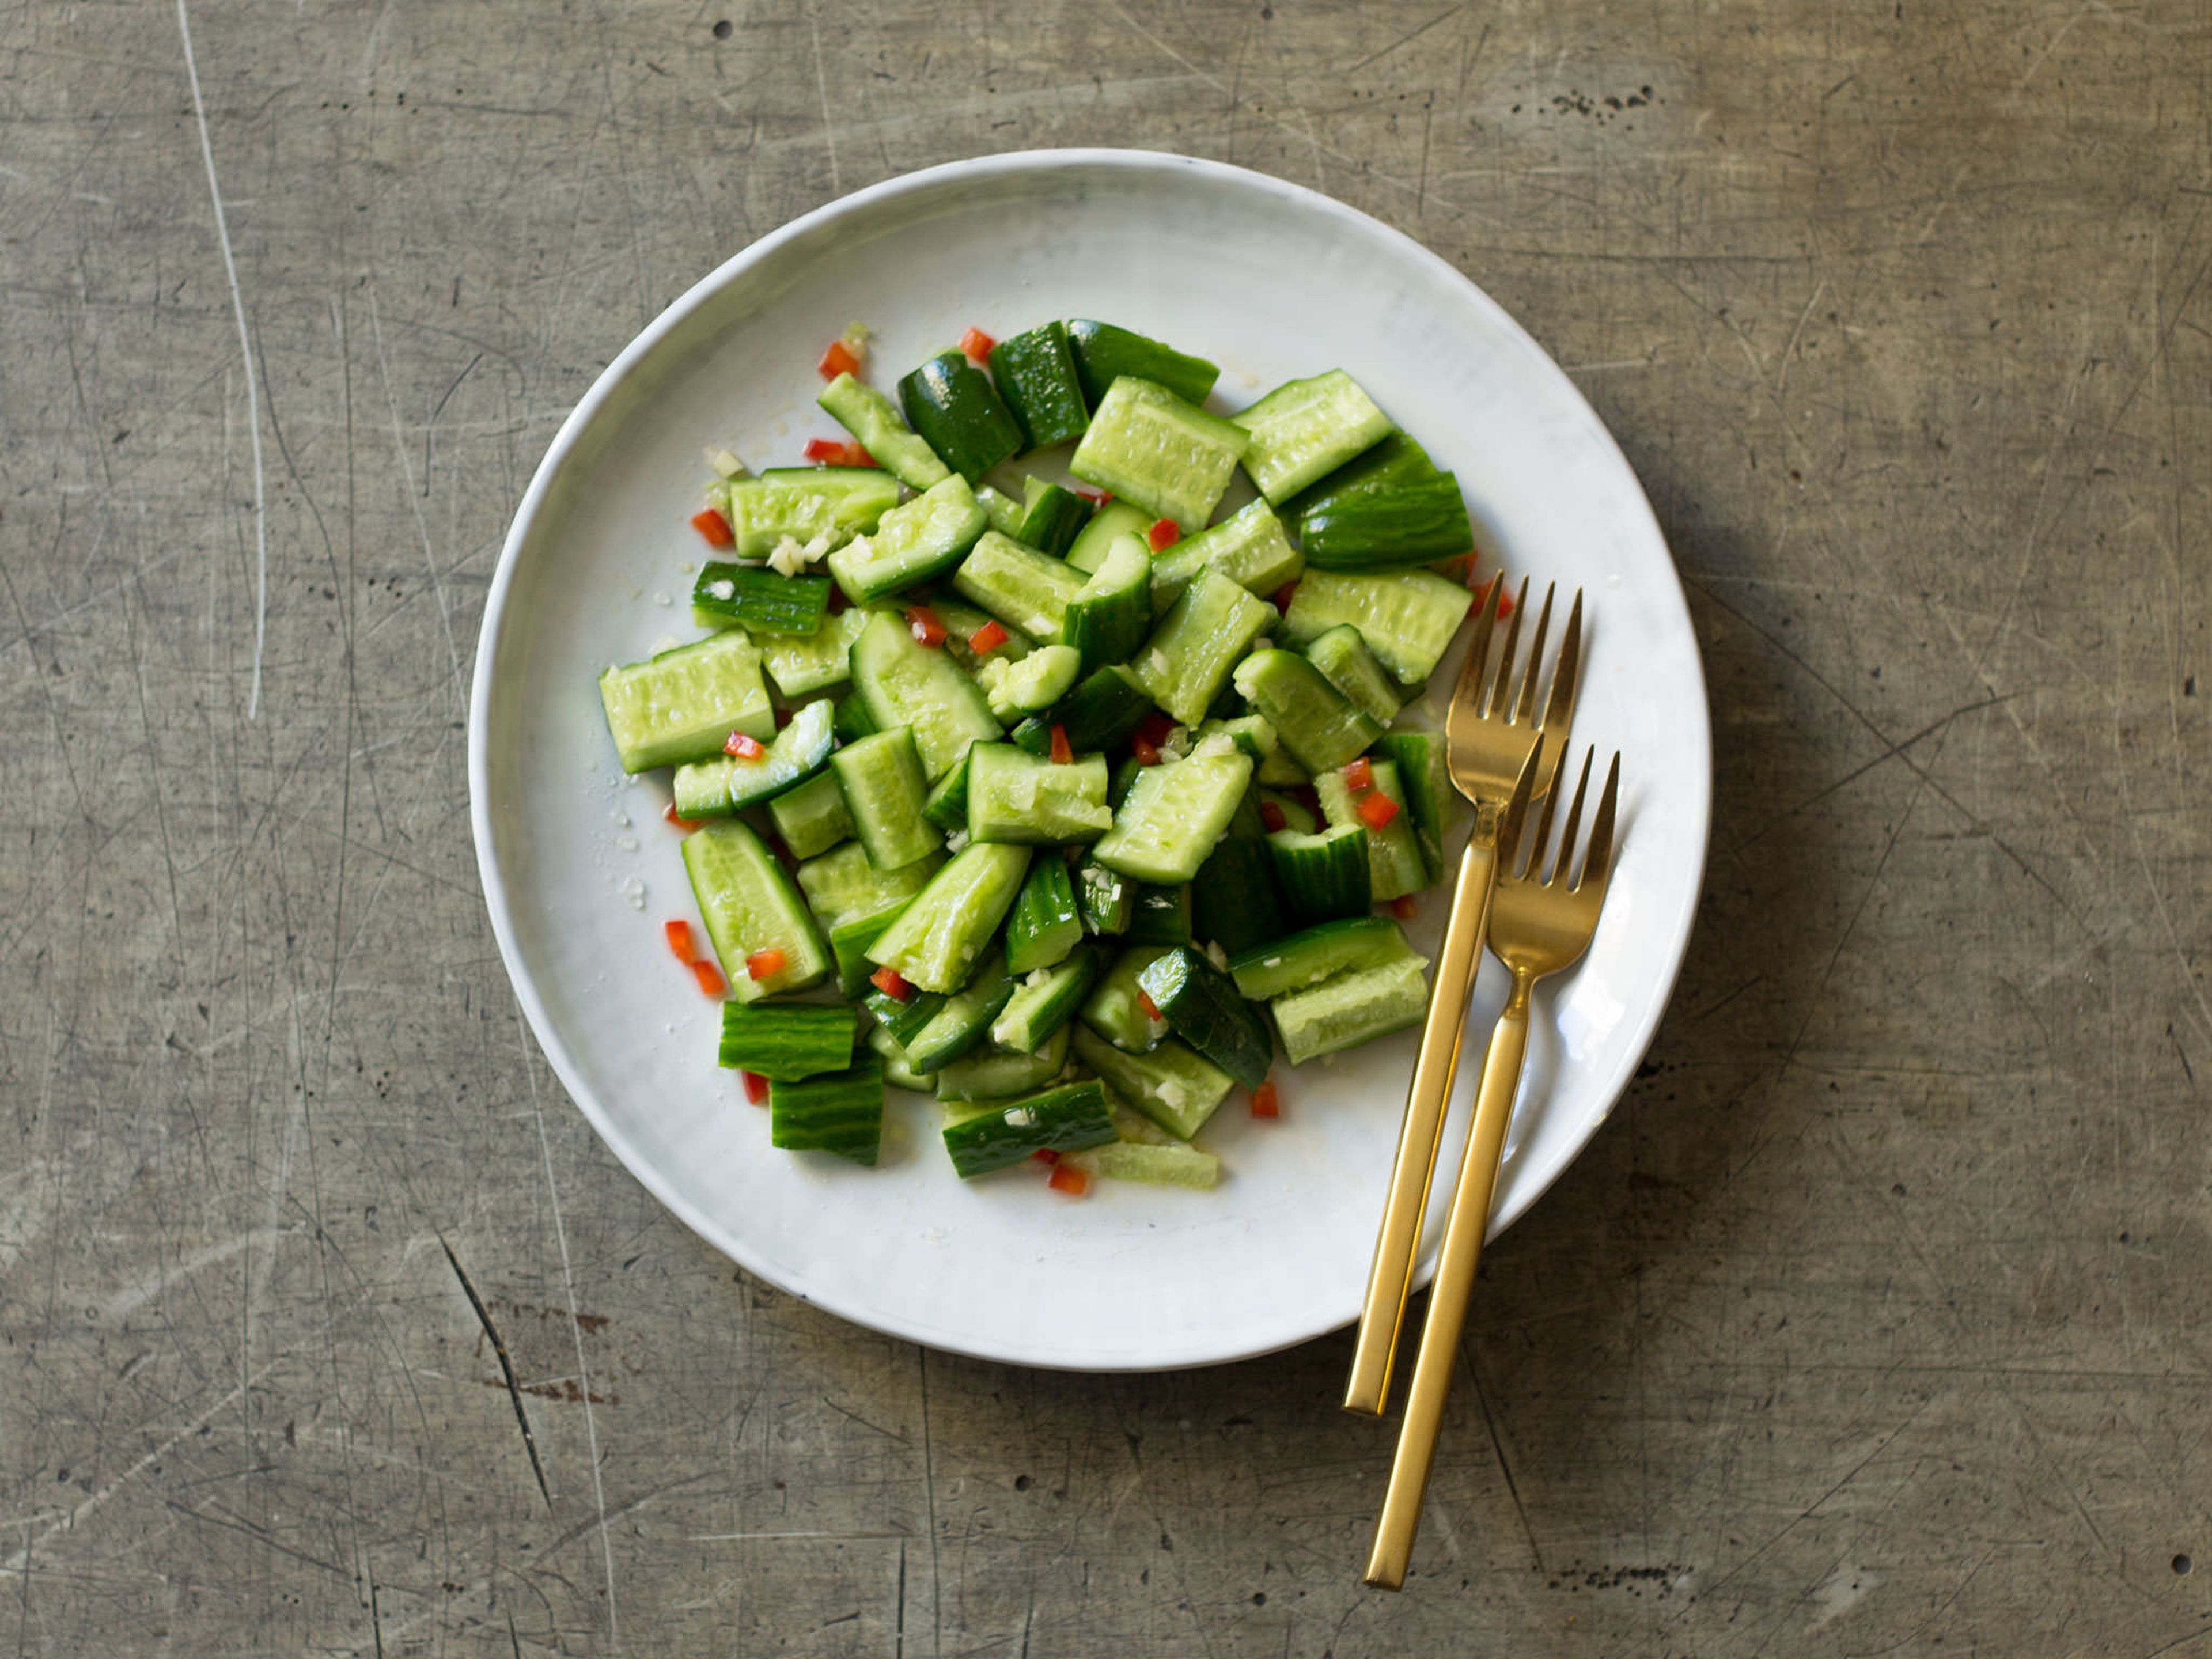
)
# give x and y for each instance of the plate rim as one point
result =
(604, 387)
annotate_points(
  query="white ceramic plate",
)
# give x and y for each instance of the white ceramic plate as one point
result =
(1272, 282)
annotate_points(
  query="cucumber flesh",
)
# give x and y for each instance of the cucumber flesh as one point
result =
(1052, 518)
(1001, 511)
(1319, 953)
(842, 885)
(921, 539)
(1395, 866)
(1151, 448)
(1407, 618)
(1346, 663)
(823, 659)
(964, 1019)
(1174, 1085)
(683, 704)
(1352, 1008)
(1173, 1165)
(938, 940)
(1047, 1000)
(1189, 658)
(1116, 518)
(811, 818)
(1304, 428)
(1022, 587)
(850, 942)
(831, 503)
(880, 777)
(992, 1074)
(1249, 547)
(1109, 616)
(1016, 797)
(1420, 758)
(749, 905)
(874, 420)
(1031, 685)
(1103, 711)
(903, 682)
(1173, 816)
(1318, 724)
(898, 1070)
(728, 783)
(1112, 1009)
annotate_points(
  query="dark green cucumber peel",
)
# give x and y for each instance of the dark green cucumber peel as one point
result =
(947, 804)
(904, 1017)
(963, 1020)
(1036, 378)
(1234, 900)
(1420, 758)
(788, 1042)
(1160, 916)
(1106, 897)
(1104, 353)
(1046, 922)
(1207, 1011)
(1318, 953)
(1063, 1120)
(758, 599)
(1054, 519)
(958, 412)
(850, 942)
(1103, 712)
(841, 1112)
(1322, 877)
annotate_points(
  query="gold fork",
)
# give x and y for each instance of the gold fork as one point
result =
(1540, 922)
(1496, 751)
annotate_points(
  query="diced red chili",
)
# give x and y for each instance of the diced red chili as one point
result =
(710, 977)
(1377, 810)
(1283, 595)
(828, 451)
(1097, 497)
(836, 599)
(1147, 751)
(1155, 727)
(987, 639)
(1151, 1008)
(838, 360)
(1163, 534)
(687, 825)
(1045, 1155)
(680, 941)
(1062, 750)
(977, 345)
(892, 984)
(1405, 909)
(1066, 1178)
(924, 624)
(756, 1087)
(714, 527)
(1265, 1101)
(782, 719)
(765, 964)
(1359, 774)
(1271, 815)
(744, 747)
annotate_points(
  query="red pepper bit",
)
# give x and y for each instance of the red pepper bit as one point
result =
(687, 825)
(925, 625)
(744, 747)
(987, 639)
(978, 345)
(1147, 751)
(836, 600)
(828, 451)
(765, 964)
(1045, 1155)
(1065, 1178)
(892, 984)
(1266, 1102)
(710, 977)
(1271, 815)
(1283, 595)
(1405, 909)
(838, 360)
(680, 941)
(1062, 752)
(1163, 534)
(756, 1087)
(1376, 810)
(714, 527)
(1097, 498)
(1359, 774)
(1151, 1008)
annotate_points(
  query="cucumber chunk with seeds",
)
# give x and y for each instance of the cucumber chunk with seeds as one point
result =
(1018, 798)
(1395, 866)
(683, 704)
(874, 420)
(1305, 428)
(1001, 511)
(1034, 683)
(1352, 1008)
(1318, 724)
(1174, 814)
(842, 885)
(841, 1112)
(1249, 547)
(822, 659)
(1346, 663)
(1045, 1001)
(830, 503)
(1151, 448)
(916, 540)
(881, 777)
(903, 682)
(936, 942)
(993, 1074)
(729, 783)
(1318, 953)
(1188, 658)
(811, 818)
(1114, 1009)
(1116, 518)
(1176, 1165)
(1019, 586)
(1174, 1085)
(1109, 616)
(1407, 617)
(748, 906)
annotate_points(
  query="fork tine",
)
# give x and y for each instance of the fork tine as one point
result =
(1528, 857)
(1598, 860)
(1501, 689)
(1527, 705)
(1516, 811)
(1560, 704)
(1564, 862)
(1478, 646)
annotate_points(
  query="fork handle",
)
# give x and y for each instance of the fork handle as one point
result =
(1463, 1250)
(1390, 1280)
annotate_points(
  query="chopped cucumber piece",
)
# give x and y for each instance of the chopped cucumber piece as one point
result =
(871, 416)
(852, 721)
(1188, 658)
(1151, 448)
(1346, 663)
(947, 805)
(1322, 952)
(1047, 1000)
(1000, 510)
(811, 818)
(993, 1074)
(1407, 617)
(840, 1113)
(1053, 518)
(1064, 1120)
(941, 936)
(729, 783)
(1109, 618)
(1207, 1011)
(784, 1044)
(954, 406)
(903, 682)
(815, 663)
(1036, 374)
(1322, 877)
(1016, 797)
(1249, 547)
(1104, 353)
(1046, 923)
(1114, 1011)
(1035, 683)
(1292, 809)
(1173, 1165)
(1160, 916)
(748, 907)
(898, 1070)
(1174, 1086)
(1253, 734)
(881, 777)
(1106, 898)
(1173, 816)
(1390, 508)
(758, 601)
(1304, 428)
(1420, 758)
(1116, 518)
(904, 1016)
(833, 503)
(1394, 867)
(921, 539)
(850, 942)
(1235, 904)
(1103, 711)
(683, 704)
(1019, 586)
(842, 885)
(963, 1020)
(1321, 727)
(1352, 1008)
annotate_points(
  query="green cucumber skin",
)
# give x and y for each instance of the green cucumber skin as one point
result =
(1069, 1119)
(1341, 655)
(942, 934)
(898, 1071)
(852, 721)
(1019, 799)
(905, 1017)
(1174, 814)
(1235, 903)
(802, 503)
(1113, 519)
(760, 601)
(1002, 511)
(842, 885)
(1352, 1008)
(800, 667)
(784, 1044)
(1395, 866)
(850, 942)
(871, 416)
(947, 804)
(1055, 520)
(1397, 463)
(1420, 758)
(1304, 429)
(1320, 726)
(1407, 617)
(840, 1113)
(1207, 1011)
(904, 683)
(1160, 916)
(1103, 712)
(964, 1020)
(1103, 353)
(1190, 655)
(1249, 547)
(1306, 959)
(881, 778)
(917, 540)
(1046, 923)
(992, 1074)
(1321, 877)
(750, 905)
(811, 818)
(1367, 531)
(1109, 618)
(1174, 1165)
(1036, 378)
(726, 784)
(1106, 897)
(1112, 1009)
(682, 704)
(955, 409)
(1150, 447)
(1174, 1086)
(1038, 1010)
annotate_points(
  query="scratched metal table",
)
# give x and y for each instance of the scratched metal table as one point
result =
(1875, 1320)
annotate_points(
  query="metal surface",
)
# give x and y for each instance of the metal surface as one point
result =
(1875, 1321)
(1495, 744)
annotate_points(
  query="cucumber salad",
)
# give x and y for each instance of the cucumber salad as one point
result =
(1060, 792)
